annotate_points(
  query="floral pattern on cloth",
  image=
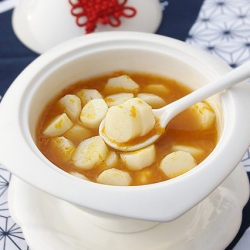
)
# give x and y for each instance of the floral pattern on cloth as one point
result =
(223, 30)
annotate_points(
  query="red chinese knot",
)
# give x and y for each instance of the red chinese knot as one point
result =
(90, 12)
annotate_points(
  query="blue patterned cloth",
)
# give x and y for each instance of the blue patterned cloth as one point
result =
(221, 27)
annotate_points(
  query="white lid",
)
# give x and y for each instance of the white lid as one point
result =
(31, 20)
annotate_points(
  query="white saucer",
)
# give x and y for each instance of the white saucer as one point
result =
(42, 24)
(49, 223)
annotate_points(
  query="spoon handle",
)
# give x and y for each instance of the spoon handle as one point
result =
(228, 80)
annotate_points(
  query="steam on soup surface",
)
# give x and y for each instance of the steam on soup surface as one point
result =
(67, 132)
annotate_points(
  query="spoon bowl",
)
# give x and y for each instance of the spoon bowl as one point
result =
(168, 112)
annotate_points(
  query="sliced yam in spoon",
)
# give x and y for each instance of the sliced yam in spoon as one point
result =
(129, 120)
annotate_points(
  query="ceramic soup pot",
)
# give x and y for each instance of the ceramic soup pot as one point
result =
(105, 52)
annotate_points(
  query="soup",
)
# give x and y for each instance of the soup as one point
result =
(67, 132)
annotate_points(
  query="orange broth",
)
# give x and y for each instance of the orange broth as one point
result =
(181, 130)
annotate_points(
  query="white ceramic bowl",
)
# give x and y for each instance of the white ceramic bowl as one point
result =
(100, 53)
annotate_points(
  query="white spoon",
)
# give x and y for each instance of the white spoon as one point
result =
(166, 113)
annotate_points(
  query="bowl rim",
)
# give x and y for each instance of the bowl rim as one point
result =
(145, 202)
